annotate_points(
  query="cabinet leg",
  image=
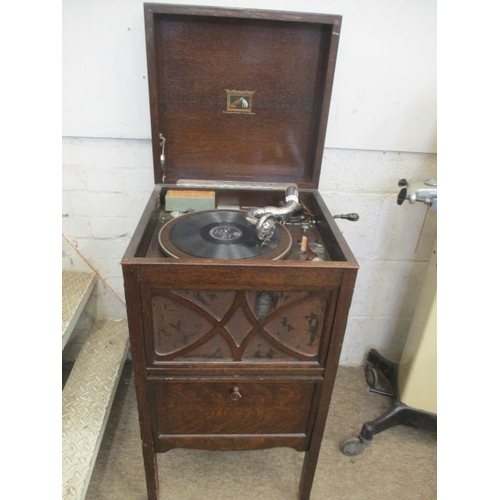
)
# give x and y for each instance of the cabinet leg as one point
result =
(151, 470)
(308, 471)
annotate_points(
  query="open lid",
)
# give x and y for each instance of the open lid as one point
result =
(239, 95)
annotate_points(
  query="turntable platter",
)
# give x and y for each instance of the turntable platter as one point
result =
(220, 234)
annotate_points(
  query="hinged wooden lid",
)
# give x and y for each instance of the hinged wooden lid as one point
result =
(239, 95)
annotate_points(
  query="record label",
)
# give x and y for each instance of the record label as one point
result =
(224, 233)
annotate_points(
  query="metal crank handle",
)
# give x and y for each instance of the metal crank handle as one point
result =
(351, 217)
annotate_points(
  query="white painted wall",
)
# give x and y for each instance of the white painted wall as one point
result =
(108, 174)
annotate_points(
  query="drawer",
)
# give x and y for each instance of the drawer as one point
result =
(227, 407)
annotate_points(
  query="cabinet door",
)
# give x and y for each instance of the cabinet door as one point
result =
(254, 326)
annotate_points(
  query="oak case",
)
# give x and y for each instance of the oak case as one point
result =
(237, 354)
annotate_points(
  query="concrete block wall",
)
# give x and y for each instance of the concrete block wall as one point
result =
(391, 242)
(107, 182)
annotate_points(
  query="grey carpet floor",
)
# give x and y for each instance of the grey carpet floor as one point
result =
(400, 464)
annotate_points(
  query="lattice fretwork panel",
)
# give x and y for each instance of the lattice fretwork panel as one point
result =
(237, 325)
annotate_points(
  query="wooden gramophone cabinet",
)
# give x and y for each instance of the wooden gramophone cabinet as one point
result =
(238, 354)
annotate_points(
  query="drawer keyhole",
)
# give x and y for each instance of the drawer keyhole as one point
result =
(235, 395)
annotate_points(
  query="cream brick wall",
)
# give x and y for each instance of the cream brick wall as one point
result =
(107, 182)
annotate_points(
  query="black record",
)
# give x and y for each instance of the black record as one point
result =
(220, 234)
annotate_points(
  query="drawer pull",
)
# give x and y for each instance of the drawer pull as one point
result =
(235, 395)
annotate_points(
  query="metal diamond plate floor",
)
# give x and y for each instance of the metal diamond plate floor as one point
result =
(76, 289)
(86, 402)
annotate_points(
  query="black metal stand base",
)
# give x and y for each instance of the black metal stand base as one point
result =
(397, 414)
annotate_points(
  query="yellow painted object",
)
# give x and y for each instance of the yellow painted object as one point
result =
(417, 376)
